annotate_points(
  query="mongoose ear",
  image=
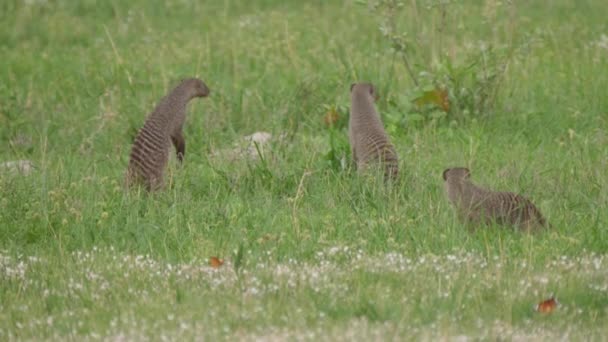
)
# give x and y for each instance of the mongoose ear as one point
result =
(445, 174)
(352, 86)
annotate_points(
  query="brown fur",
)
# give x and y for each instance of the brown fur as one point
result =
(163, 127)
(477, 205)
(368, 141)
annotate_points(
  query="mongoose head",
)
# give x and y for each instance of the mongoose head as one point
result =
(195, 87)
(456, 174)
(364, 88)
(456, 180)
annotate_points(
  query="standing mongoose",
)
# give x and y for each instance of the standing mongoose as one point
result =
(477, 205)
(369, 142)
(150, 151)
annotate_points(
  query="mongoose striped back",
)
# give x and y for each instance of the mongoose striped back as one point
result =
(150, 150)
(368, 141)
(481, 206)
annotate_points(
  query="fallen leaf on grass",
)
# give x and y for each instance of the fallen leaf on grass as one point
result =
(547, 306)
(215, 262)
(331, 117)
(437, 97)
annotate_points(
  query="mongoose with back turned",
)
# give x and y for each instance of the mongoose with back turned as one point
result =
(477, 205)
(369, 142)
(150, 150)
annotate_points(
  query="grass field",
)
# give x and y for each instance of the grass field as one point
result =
(324, 254)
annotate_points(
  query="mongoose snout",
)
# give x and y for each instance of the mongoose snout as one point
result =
(199, 87)
(477, 205)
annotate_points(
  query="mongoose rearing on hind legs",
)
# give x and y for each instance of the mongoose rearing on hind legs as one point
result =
(477, 205)
(369, 142)
(150, 151)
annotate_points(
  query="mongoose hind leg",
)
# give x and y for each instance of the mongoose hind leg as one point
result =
(531, 225)
(392, 173)
(155, 183)
(354, 162)
(128, 179)
(133, 178)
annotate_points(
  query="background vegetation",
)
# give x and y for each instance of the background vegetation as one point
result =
(311, 251)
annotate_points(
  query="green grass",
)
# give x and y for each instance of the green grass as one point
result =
(326, 255)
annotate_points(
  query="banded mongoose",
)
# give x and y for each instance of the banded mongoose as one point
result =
(150, 151)
(369, 142)
(477, 205)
